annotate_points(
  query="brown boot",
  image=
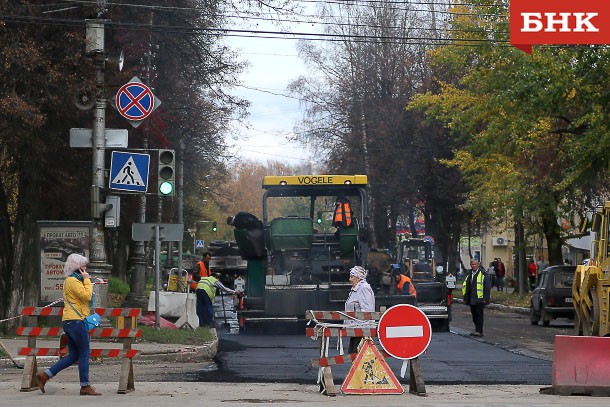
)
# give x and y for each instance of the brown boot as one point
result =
(89, 391)
(43, 378)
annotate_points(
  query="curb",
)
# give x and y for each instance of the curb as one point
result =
(500, 307)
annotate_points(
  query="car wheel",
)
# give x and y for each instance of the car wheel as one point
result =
(534, 316)
(546, 317)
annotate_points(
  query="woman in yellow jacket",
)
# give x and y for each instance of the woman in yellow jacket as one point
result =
(77, 293)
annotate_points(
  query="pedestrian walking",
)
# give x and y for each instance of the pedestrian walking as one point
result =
(78, 298)
(533, 273)
(477, 291)
(500, 274)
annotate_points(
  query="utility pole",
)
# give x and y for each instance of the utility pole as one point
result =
(181, 199)
(97, 253)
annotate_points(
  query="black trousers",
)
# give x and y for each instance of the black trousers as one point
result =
(477, 316)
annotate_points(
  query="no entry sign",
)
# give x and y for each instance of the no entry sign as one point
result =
(404, 331)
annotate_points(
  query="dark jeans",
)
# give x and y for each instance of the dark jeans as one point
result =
(78, 351)
(477, 316)
(205, 308)
(500, 283)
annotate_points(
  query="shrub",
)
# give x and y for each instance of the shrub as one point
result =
(117, 286)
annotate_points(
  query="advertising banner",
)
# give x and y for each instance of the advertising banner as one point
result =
(57, 240)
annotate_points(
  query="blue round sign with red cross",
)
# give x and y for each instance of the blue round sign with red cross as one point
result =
(135, 101)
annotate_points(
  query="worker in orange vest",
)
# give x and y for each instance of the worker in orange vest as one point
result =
(202, 269)
(404, 285)
(343, 212)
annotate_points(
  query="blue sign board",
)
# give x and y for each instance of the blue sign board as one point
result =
(199, 244)
(129, 171)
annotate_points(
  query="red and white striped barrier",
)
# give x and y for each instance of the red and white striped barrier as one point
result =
(329, 332)
(333, 360)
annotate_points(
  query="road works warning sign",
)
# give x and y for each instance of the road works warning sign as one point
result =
(370, 374)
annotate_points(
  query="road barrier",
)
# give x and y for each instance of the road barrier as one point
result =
(581, 365)
(332, 324)
(32, 331)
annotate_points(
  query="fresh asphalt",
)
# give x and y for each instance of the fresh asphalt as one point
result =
(450, 359)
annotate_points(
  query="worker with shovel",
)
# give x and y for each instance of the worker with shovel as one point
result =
(206, 292)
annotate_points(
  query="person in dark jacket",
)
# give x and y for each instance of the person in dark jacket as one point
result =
(477, 291)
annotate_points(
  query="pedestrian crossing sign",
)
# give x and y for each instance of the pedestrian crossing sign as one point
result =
(129, 171)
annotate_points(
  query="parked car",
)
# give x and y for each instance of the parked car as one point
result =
(552, 298)
(61, 250)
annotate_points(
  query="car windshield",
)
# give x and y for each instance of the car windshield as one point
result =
(563, 280)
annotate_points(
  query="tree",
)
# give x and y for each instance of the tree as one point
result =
(527, 123)
(169, 44)
(355, 114)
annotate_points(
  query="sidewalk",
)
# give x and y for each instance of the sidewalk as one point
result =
(160, 394)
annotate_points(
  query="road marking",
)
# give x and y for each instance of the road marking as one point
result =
(413, 331)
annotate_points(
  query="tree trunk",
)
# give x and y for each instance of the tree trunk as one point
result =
(552, 233)
(6, 253)
(25, 283)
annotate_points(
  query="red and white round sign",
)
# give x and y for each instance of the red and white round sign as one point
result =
(404, 331)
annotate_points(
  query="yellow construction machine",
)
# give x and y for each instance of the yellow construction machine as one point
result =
(591, 287)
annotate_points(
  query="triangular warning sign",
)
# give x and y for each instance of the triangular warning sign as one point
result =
(129, 174)
(370, 374)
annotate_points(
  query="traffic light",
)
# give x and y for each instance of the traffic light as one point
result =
(214, 227)
(319, 217)
(166, 173)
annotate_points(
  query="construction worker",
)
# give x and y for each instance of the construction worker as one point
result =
(206, 292)
(343, 212)
(404, 285)
(202, 269)
(477, 291)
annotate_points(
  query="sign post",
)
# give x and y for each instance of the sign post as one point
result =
(404, 332)
(143, 232)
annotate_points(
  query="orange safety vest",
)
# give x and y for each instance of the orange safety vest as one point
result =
(203, 270)
(343, 213)
(404, 279)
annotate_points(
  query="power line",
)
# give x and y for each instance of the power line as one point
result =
(265, 34)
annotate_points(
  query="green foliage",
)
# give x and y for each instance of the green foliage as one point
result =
(198, 336)
(117, 286)
(534, 127)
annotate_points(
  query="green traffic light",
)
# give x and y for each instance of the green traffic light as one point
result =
(320, 218)
(166, 188)
(214, 227)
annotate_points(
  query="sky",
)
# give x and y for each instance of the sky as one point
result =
(274, 63)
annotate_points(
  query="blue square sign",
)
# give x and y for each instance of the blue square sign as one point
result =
(129, 171)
